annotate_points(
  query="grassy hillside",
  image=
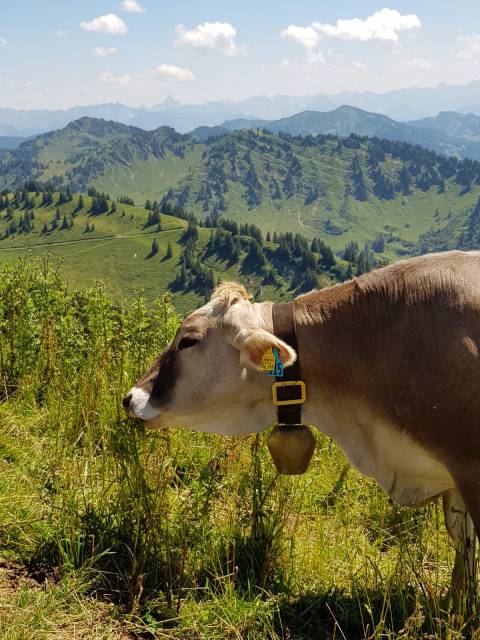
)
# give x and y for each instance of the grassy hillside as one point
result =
(128, 254)
(116, 251)
(340, 189)
(109, 532)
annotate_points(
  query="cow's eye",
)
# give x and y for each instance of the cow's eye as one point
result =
(186, 343)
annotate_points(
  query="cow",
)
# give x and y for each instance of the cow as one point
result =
(391, 363)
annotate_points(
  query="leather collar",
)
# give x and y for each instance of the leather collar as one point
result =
(284, 328)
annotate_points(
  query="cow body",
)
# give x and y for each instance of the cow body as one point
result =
(391, 361)
(393, 371)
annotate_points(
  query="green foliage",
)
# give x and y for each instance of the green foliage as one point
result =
(155, 248)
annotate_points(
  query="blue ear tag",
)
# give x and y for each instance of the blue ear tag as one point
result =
(277, 371)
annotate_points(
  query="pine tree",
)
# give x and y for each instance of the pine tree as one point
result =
(310, 280)
(327, 258)
(169, 253)
(255, 258)
(47, 198)
(155, 248)
(378, 245)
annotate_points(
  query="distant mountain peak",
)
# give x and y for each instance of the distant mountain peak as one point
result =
(98, 126)
(168, 103)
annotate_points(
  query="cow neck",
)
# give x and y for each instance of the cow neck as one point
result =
(284, 328)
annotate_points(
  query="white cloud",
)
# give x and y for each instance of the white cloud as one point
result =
(171, 71)
(109, 23)
(3, 42)
(216, 36)
(315, 56)
(384, 25)
(132, 6)
(360, 66)
(103, 52)
(120, 81)
(420, 63)
(306, 36)
(468, 47)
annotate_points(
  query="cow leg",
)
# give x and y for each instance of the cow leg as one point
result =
(461, 529)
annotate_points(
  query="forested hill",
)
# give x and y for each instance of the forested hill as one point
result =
(341, 189)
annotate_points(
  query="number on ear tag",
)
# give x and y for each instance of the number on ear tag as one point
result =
(271, 363)
(268, 360)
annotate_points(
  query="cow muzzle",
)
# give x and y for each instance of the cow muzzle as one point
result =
(137, 404)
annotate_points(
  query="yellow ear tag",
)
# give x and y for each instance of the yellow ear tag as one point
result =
(267, 362)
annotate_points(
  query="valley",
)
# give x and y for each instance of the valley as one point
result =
(353, 189)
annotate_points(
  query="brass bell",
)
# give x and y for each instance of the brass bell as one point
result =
(291, 448)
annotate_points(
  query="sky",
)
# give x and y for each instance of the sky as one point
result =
(57, 53)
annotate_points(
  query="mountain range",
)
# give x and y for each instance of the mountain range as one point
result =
(403, 104)
(450, 132)
(342, 189)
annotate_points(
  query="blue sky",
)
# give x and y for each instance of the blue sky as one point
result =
(56, 53)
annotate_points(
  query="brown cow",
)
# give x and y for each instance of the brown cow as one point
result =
(392, 368)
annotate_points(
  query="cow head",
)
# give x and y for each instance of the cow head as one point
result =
(209, 378)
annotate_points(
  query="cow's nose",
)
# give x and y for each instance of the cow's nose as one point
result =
(126, 401)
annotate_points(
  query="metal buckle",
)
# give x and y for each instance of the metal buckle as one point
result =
(289, 383)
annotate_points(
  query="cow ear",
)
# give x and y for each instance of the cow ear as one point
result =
(253, 345)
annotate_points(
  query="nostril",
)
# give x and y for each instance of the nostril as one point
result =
(126, 401)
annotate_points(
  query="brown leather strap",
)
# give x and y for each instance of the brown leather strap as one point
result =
(284, 328)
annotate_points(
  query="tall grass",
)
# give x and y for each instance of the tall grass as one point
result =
(185, 536)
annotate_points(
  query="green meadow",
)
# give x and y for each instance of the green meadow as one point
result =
(117, 251)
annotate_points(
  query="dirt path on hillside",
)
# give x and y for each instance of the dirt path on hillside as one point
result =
(36, 245)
